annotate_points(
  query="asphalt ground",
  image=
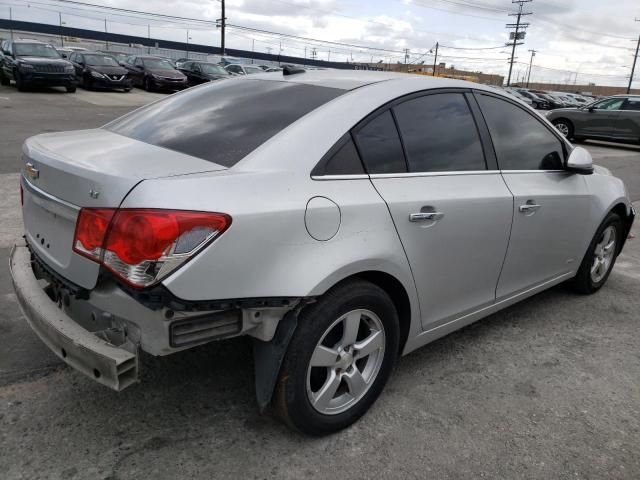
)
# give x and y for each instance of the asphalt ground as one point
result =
(548, 388)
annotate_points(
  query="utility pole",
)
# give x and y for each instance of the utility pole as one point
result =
(106, 40)
(221, 23)
(518, 34)
(187, 43)
(635, 59)
(435, 59)
(61, 36)
(533, 54)
(329, 56)
(406, 58)
(149, 37)
(11, 22)
(253, 48)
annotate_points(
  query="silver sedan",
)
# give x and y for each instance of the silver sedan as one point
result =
(340, 219)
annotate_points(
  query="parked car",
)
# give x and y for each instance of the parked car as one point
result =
(224, 60)
(97, 70)
(517, 95)
(64, 52)
(238, 69)
(155, 73)
(202, 72)
(31, 63)
(172, 229)
(553, 102)
(537, 101)
(181, 61)
(615, 118)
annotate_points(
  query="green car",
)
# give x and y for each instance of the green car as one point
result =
(614, 118)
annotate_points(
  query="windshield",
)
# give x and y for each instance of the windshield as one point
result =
(158, 63)
(223, 122)
(213, 69)
(101, 60)
(35, 50)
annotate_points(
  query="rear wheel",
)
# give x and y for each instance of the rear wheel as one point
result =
(565, 127)
(146, 84)
(3, 80)
(71, 89)
(339, 358)
(601, 256)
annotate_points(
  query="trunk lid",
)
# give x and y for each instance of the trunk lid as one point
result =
(89, 168)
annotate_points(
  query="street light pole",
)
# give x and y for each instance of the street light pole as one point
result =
(61, 36)
(11, 22)
(106, 40)
(533, 54)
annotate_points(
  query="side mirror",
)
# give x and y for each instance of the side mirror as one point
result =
(580, 161)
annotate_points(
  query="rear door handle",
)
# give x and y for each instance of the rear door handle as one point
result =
(425, 216)
(529, 207)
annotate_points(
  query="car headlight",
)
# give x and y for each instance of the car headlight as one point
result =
(69, 69)
(96, 74)
(26, 66)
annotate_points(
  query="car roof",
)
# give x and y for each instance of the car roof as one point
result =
(352, 79)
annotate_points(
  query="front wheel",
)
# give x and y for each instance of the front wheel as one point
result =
(146, 84)
(71, 89)
(339, 358)
(20, 85)
(600, 257)
(565, 127)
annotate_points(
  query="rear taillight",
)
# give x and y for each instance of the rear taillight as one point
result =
(142, 246)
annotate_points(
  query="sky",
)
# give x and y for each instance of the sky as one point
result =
(577, 41)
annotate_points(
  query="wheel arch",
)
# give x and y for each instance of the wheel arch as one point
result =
(398, 294)
(626, 214)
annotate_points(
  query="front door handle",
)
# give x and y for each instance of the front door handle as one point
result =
(425, 216)
(529, 207)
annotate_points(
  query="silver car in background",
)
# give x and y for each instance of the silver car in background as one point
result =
(335, 217)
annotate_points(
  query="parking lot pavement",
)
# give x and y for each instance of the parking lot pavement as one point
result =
(545, 389)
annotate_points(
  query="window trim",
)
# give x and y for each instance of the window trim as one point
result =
(566, 146)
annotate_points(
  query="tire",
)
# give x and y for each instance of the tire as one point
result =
(71, 89)
(585, 281)
(321, 329)
(20, 85)
(565, 127)
(3, 80)
(86, 83)
(146, 84)
(127, 90)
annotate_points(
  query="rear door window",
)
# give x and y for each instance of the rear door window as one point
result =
(439, 134)
(631, 104)
(223, 121)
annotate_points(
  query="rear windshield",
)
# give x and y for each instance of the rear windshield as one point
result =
(223, 122)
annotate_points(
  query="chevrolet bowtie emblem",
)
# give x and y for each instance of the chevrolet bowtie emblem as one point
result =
(31, 171)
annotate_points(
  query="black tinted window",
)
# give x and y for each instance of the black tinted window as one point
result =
(380, 146)
(341, 161)
(223, 121)
(631, 104)
(521, 141)
(439, 134)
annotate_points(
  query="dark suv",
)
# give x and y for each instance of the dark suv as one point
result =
(32, 63)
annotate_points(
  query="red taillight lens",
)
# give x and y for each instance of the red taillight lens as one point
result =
(142, 246)
(91, 229)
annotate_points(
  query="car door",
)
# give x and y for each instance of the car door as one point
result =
(450, 206)
(196, 72)
(137, 72)
(598, 119)
(627, 126)
(551, 205)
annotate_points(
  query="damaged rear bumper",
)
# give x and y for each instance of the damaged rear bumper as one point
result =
(113, 366)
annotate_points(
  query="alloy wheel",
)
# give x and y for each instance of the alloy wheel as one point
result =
(345, 362)
(603, 254)
(563, 128)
